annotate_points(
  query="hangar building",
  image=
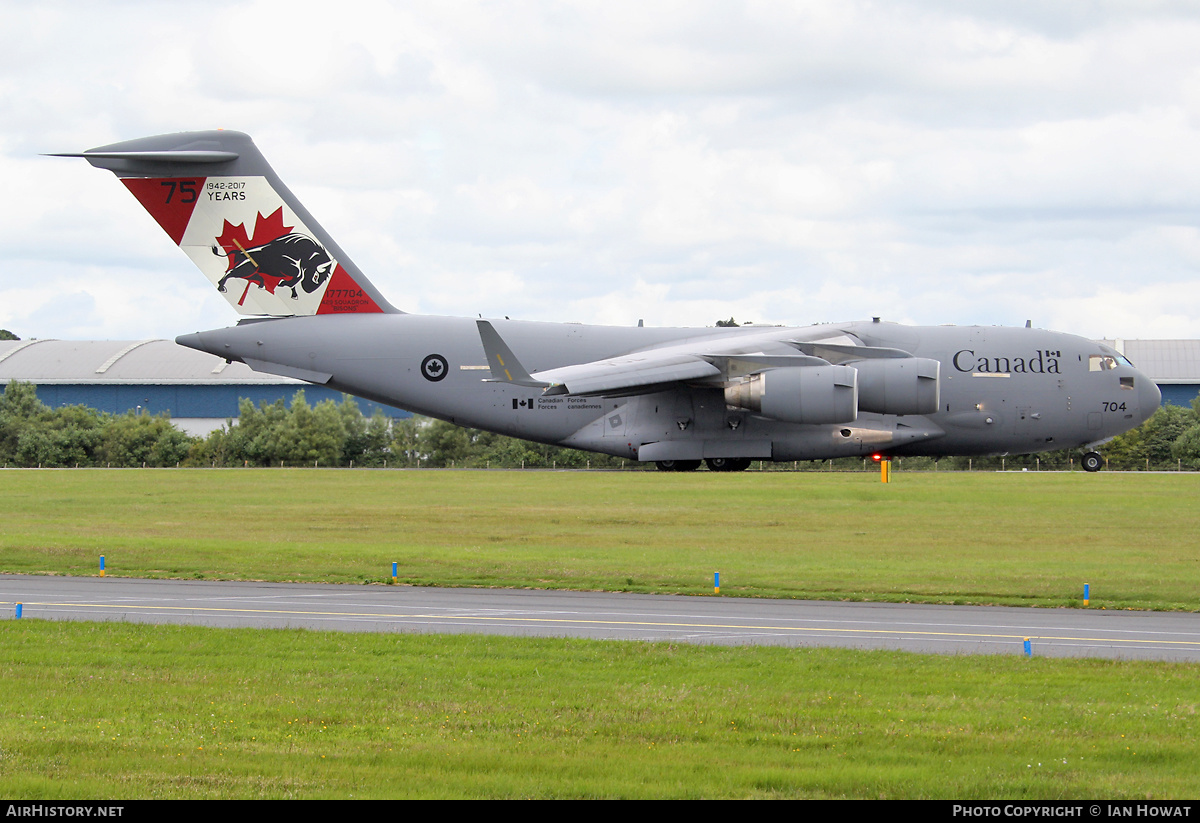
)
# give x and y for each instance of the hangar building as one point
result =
(1173, 365)
(198, 390)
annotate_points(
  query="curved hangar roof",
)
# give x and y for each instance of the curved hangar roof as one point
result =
(122, 361)
(1163, 361)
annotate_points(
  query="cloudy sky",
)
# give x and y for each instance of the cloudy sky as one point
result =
(963, 161)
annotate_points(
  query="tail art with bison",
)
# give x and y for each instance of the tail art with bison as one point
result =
(223, 205)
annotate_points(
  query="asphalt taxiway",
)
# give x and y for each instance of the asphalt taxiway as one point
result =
(606, 615)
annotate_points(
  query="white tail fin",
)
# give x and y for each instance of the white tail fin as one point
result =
(215, 195)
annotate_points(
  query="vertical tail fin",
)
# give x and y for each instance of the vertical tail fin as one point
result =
(217, 198)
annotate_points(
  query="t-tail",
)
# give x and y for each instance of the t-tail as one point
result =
(217, 198)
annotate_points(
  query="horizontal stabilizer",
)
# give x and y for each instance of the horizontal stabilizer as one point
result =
(504, 364)
(181, 156)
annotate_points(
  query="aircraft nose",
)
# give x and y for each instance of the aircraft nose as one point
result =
(1149, 397)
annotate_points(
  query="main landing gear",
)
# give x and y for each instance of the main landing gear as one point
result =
(1092, 462)
(677, 465)
(715, 464)
(728, 464)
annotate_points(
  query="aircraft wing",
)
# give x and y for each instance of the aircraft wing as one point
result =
(621, 374)
(841, 353)
(701, 360)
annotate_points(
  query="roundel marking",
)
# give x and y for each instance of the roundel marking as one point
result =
(434, 368)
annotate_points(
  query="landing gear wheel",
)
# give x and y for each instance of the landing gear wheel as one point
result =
(677, 465)
(727, 464)
(1092, 462)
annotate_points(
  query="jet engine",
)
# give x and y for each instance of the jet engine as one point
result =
(904, 385)
(813, 394)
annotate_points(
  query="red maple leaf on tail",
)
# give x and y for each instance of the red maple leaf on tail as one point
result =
(233, 239)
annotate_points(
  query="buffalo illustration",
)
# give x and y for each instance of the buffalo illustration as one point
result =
(290, 260)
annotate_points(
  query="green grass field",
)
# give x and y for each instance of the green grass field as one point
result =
(122, 711)
(1018, 538)
(125, 711)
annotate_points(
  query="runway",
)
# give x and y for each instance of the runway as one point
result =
(527, 613)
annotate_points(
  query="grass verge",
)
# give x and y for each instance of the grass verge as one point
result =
(980, 538)
(129, 711)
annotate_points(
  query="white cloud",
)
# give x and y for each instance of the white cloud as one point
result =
(971, 162)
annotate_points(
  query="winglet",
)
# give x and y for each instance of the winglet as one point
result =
(504, 364)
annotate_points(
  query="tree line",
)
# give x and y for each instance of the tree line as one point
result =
(329, 434)
(336, 434)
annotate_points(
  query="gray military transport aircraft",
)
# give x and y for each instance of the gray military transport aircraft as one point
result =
(674, 396)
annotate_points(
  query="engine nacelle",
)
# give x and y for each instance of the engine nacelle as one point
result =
(808, 394)
(904, 385)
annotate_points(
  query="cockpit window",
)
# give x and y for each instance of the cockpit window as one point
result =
(1101, 362)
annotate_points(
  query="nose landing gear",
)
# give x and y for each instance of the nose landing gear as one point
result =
(1092, 462)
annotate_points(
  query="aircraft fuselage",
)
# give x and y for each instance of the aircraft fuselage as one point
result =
(1002, 390)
